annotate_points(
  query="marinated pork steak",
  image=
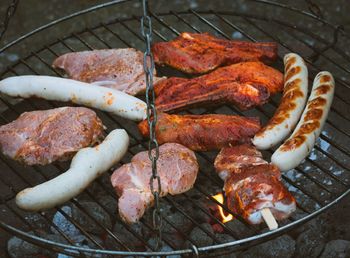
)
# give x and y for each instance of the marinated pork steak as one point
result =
(177, 167)
(120, 69)
(203, 132)
(252, 184)
(195, 53)
(244, 85)
(41, 137)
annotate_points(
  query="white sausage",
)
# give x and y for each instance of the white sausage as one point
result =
(291, 106)
(292, 152)
(87, 165)
(60, 89)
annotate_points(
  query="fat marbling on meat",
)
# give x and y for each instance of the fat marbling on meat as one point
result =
(177, 167)
(120, 69)
(41, 137)
(201, 52)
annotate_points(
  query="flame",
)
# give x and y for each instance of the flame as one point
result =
(224, 218)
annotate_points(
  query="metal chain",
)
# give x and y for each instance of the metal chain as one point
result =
(9, 13)
(148, 66)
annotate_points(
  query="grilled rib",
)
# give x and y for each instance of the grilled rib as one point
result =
(203, 132)
(252, 184)
(195, 53)
(244, 85)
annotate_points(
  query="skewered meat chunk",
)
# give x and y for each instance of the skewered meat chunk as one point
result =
(41, 137)
(203, 132)
(200, 52)
(233, 160)
(244, 85)
(120, 69)
(252, 184)
(177, 167)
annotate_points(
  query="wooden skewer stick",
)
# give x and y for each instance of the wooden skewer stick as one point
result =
(269, 218)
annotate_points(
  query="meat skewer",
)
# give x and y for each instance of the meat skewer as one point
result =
(244, 85)
(42, 137)
(177, 167)
(196, 53)
(119, 69)
(252, 185)
(203, 132)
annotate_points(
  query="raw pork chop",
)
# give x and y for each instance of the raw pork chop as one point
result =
(41, 137)
(177, 167)
(120, 69)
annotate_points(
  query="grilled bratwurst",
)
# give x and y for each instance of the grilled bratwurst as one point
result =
(177, 167)
(41, 137)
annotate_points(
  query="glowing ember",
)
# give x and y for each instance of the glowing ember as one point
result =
(224, 218)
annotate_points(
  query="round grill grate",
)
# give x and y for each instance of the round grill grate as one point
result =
(320, 182)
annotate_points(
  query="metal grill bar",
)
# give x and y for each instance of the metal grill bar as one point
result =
(219, 181)
(139, 142)
(225, 35)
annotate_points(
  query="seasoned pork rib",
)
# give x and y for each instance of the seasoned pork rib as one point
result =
(201, 53)
(252, 184)
(203, 132)
(244, 85)
(177, 167)
(120, 69)
(41, 137)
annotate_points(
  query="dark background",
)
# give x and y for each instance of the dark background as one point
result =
(33, 13)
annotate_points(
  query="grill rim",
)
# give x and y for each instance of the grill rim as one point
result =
(184, 251)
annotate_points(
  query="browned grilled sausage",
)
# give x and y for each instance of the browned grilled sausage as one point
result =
(291, 106)
(291, 153)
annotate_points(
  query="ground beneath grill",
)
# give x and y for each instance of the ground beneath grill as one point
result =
(320, 237)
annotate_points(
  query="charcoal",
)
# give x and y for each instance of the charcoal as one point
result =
(224, 238)
(109, 203)
(64, 224)
(238, 228)
(199, 237)
(37, 220)
(310, 243)
(96, 212)
(164, 248)
(283, 246)
(179, 221)
(336, 249)
(18, 248)
(125, 236)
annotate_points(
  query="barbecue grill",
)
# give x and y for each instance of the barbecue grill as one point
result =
(319, 183)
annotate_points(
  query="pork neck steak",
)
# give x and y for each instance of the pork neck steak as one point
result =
(203, 132)
(196, 53)
(120, 69)
(177, 167)
(244, 85)
(41, 137)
